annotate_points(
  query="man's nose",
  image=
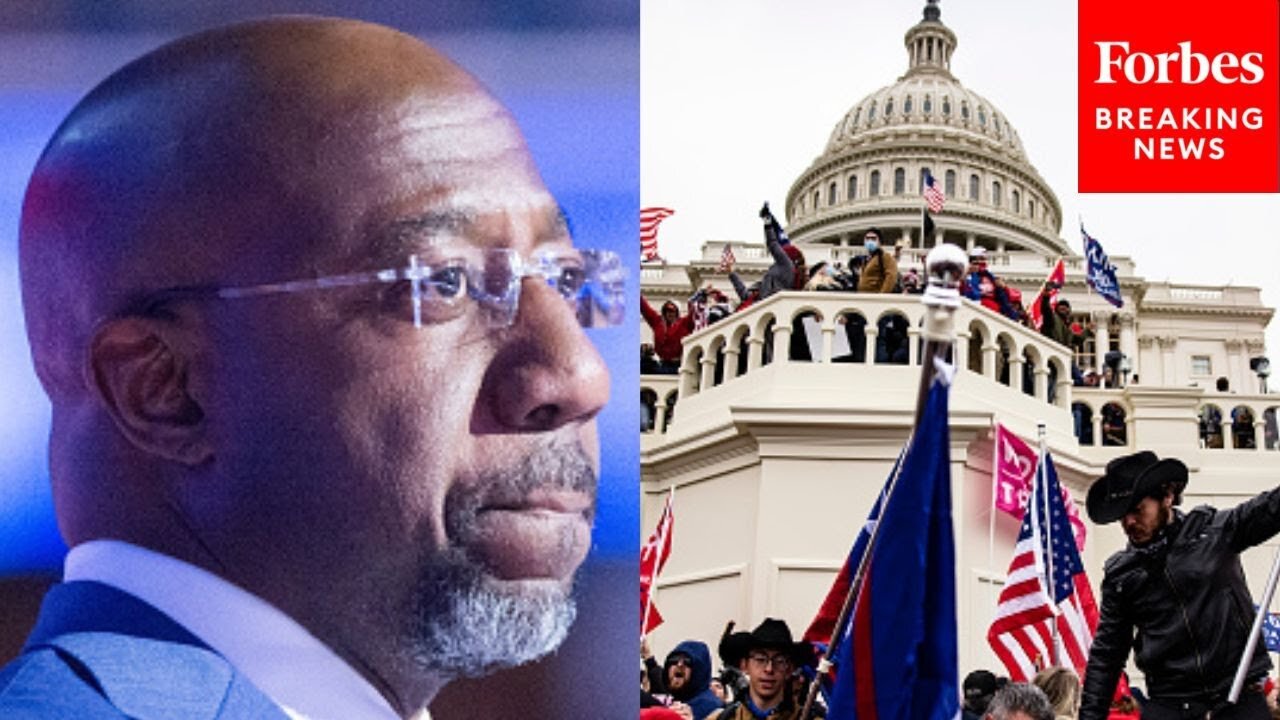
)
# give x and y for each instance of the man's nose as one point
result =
(547, 373)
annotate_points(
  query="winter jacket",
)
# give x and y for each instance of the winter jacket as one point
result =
(1052, 326)
(667, 339)
(981, 287)
(879, 274)
(781, 275)
(1182, 605)
(697, 693)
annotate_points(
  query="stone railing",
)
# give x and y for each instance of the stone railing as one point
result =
(847, 328)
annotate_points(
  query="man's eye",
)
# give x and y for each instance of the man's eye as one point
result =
(449, 283)
(571, 281)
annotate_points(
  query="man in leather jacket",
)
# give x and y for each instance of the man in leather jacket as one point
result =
(1176, 595)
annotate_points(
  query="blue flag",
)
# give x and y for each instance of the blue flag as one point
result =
(897, 658)
(1270, 630)
(1099, 272)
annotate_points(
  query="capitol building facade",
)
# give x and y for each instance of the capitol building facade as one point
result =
(775, 460)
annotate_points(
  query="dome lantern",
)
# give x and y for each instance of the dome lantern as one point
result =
(930, 44)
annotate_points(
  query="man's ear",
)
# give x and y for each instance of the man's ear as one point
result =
(142, 381)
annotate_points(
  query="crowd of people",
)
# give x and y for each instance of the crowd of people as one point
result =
(766, 674)
(878, 270)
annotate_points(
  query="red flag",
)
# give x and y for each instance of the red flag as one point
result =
(653, 556)
(649, 219)
(1014, 464)
(1034, 605)
(1051, 286)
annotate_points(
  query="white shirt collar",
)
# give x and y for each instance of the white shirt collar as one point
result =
(291, 666)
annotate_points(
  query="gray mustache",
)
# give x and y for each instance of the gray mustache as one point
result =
(552, 467)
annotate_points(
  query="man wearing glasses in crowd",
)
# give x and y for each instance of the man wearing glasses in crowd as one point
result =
(324, 411)
(767, 655)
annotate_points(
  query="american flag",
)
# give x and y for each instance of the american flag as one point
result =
(726, 258)
(1022, 633)
(653, 556)
(933, 196)
(649, 219)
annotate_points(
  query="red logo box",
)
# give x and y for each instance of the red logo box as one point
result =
(1179, 96)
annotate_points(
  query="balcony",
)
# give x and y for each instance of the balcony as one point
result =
(819, 358)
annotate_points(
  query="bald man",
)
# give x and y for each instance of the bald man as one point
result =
(324, 410)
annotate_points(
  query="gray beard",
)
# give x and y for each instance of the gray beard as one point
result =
(467, 623)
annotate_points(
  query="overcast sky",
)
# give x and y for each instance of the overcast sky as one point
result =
(739, 96)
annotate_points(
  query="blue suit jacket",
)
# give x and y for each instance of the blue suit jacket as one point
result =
(97, 652)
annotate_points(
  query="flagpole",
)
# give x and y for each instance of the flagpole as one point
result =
(995, 488)
(1043, 472)
(653, 583)
(1243, 669)
(944, 265)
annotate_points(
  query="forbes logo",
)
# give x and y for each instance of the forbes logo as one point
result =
(1190, 67)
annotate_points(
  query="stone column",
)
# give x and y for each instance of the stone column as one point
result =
(731, 360)
(688, 380)
(755, 353)
(872, 332)
(1252, 349)
(782, 341)
(913, 346)
(1168, 368)
(1155, 373)
(1235, 368)
(708, 370)
(1128, 340)
(1042, 383)
(828, 340)
(1259, 432)
(969, 241)
(1102, 342)
(989, 360)
(1015, 371)
(962, 350)
(1064, 392)
(1097, 427)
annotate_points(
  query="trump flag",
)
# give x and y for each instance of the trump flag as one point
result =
(897, 656)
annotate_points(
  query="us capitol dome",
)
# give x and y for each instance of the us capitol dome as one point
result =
(870, 172)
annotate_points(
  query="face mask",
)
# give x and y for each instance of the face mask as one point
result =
(871, 245)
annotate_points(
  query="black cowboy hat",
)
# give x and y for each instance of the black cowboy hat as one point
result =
(772, 634)
(1128, 480)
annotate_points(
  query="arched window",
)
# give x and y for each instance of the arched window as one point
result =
(1031, 208)
(888, 108)
(899, 181)
(946, 106)
(831, 194)
(1016, 200)
(928, 104)
(1242, 435)
(648, 409)
(924, 171)
(973, 188)
(964, 111)
(982, 116)
(1211, 427)
(853, 187)
(1082, 414)
(669, 413)
(906, 105)
(995, 193)
(875, 183)
(857, 115)
(817, 197)
(1114, 431)
(950, 185)
(871, 112)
